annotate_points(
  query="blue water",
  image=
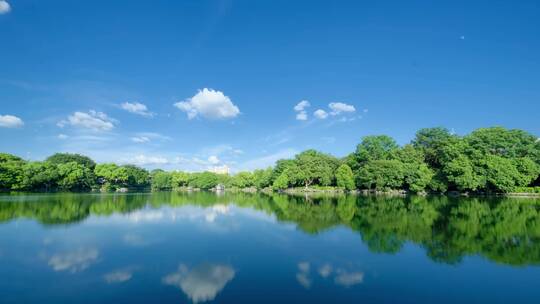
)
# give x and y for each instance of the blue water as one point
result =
(241, 248)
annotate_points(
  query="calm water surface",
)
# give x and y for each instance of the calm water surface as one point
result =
(245, 248)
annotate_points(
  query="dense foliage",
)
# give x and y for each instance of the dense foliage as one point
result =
(495, 160)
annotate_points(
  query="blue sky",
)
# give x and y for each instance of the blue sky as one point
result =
(194, 84)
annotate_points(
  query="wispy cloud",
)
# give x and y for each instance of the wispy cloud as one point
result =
(140, 139)
(91, 120)
(145, 160)
(137, 108)
(146, 137)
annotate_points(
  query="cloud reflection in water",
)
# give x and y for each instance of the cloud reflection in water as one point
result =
(203, 282)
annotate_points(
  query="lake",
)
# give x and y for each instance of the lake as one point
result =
(255, 248)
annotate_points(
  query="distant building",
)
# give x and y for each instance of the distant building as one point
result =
(220, 169)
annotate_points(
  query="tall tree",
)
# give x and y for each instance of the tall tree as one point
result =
(314, 166)
(11, 170)
(63, 158)
(345, 177)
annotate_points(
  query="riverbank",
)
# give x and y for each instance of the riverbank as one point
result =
(340, 191)
(304, 191)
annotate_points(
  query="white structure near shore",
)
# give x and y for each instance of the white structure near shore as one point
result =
(220, 169)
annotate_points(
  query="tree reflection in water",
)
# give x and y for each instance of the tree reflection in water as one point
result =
(505, 230)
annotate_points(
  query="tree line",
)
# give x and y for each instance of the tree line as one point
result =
(492, 159)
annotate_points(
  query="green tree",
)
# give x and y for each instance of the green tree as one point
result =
(501, 174)
(528, 169)
(137, 177)
(282, 182)
(11, 171)
(73, 176)
(161, 180)
(243, 180)
(180, 179)
(39, 176)
(282, 165)
(204, 180)
(380, 147)
(63, 158)
(111, 176)
(431, 141)
(417, 175)
(345, 177)
(503, 142)
(262, 178)
(381, 175)
(315, 167)
(461, 173)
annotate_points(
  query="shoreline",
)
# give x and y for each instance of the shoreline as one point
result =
(299, 191)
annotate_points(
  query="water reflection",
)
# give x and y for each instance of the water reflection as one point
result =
(203, 282)
(341, 276)
(74, 261)
(505, 230)
(118, 276)
(303, 275)
(348, 279)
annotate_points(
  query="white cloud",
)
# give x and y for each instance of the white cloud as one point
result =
(4, 7)
(339, 107)
(301, 109)
(201, 283)
(140, 139)
(95, 121)
(136, 108)
(10, 121)
(210, 104)
(302, 105)
(320, 114)
(118, 276)
(302, 115)
(214, 160)
(74, 261)
(62, 136)
(143, 160)
(348, 279)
